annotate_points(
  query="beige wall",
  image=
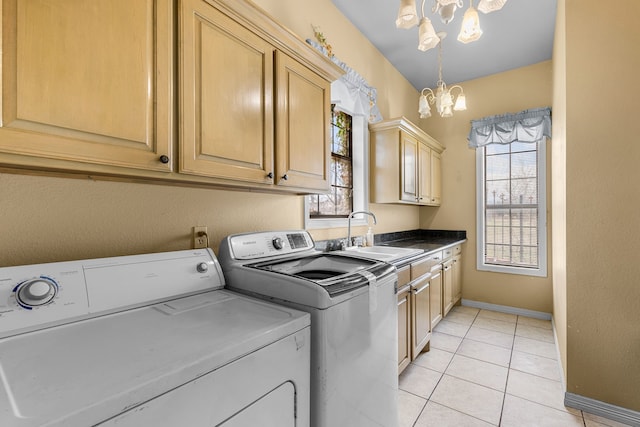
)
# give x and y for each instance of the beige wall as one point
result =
(559, 186)
(603, 201)
(51, 219)
(511, 91)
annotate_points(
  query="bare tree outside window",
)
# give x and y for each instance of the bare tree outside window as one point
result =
(511, 205)
(339, 202)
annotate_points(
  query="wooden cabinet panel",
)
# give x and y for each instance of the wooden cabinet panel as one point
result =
(424, 161)
(404, 330)
(457, 278)
(421, 319)
(408, 168)
(447, 286)
(402, 165)
(302, 139)
(249, 112)
(436, 178)
(226, 98)
(89, 82)
(436, 296)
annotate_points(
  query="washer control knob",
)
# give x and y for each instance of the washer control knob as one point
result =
(277, 243)
(202, 267)
(36, 292)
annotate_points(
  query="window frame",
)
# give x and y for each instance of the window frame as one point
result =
(360, 159)
(541, 271)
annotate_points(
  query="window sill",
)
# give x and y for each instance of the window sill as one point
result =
(535, 272)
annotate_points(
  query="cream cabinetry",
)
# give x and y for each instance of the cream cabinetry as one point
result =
(405, 164)
(404, 318)
(451, 278)
(89, 87)
(251, 113)
(87, 83)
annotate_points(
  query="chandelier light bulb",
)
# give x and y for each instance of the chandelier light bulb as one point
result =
(461, 103)
(427, 37)
(488, 6)
(423, 107)
(470, 30)
(407, 14)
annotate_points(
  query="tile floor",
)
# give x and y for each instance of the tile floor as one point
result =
(488, 369)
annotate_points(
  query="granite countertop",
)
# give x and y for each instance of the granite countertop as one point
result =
(427, 240)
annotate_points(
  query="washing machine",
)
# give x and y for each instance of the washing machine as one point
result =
(352, 303)
(147, 340)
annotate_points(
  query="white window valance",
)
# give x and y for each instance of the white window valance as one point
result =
(526, 126)
(351, 92)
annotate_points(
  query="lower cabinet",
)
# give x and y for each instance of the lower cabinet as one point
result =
(447, 286)
(435, 292)
(404, 325)
(427, 290)
(451, 278)
(420, 318)
(456, 269)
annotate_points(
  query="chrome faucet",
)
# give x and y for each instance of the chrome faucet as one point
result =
(375, 221)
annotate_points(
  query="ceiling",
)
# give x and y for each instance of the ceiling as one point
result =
(519, 34)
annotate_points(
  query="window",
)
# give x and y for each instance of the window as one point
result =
(339, 202)
(512, 208)
(359, 180)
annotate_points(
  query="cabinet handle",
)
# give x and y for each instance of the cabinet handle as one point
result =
(270, 175)
(417, 291)
(164, 159)
(285, 177)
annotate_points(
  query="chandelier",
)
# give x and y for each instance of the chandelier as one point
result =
(443, 96)
(427, 38)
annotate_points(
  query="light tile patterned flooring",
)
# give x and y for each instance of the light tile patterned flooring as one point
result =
(488, 369)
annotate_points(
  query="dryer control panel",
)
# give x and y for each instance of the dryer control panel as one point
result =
(34, 296)
(267, 244)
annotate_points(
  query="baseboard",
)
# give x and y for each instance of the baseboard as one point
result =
(602, 409)
(507, 309)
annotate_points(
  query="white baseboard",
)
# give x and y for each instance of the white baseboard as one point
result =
(507, 309)
(602, 409)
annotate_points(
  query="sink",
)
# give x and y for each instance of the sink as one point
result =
(381, 253)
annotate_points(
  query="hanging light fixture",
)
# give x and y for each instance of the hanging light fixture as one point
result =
(427, 37)
(470, 30)
(407, 14)
(488, 6)
(446, 9)
(443, 96)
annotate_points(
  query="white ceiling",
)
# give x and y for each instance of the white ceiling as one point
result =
(519, 34)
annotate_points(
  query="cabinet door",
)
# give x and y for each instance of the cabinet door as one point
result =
(421, 319)
(87, 82)
(436, 178)
(226, 120)
(404, 330)
(424, 187)
(408, 168)
(436, 297)
(457, 278)
(447, 285)
(303, 116)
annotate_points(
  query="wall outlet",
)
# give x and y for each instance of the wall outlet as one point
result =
(200, 237)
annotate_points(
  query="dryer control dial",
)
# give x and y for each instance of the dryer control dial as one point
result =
(277, 243)
(36, 292)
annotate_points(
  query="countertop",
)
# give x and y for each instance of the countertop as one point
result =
(427, 240)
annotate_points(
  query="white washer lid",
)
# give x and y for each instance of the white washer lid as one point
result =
(85, 372)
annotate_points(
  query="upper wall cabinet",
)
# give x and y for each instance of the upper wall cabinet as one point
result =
(253, 110)
(405, 164)
(89, 87)
(87, 83)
